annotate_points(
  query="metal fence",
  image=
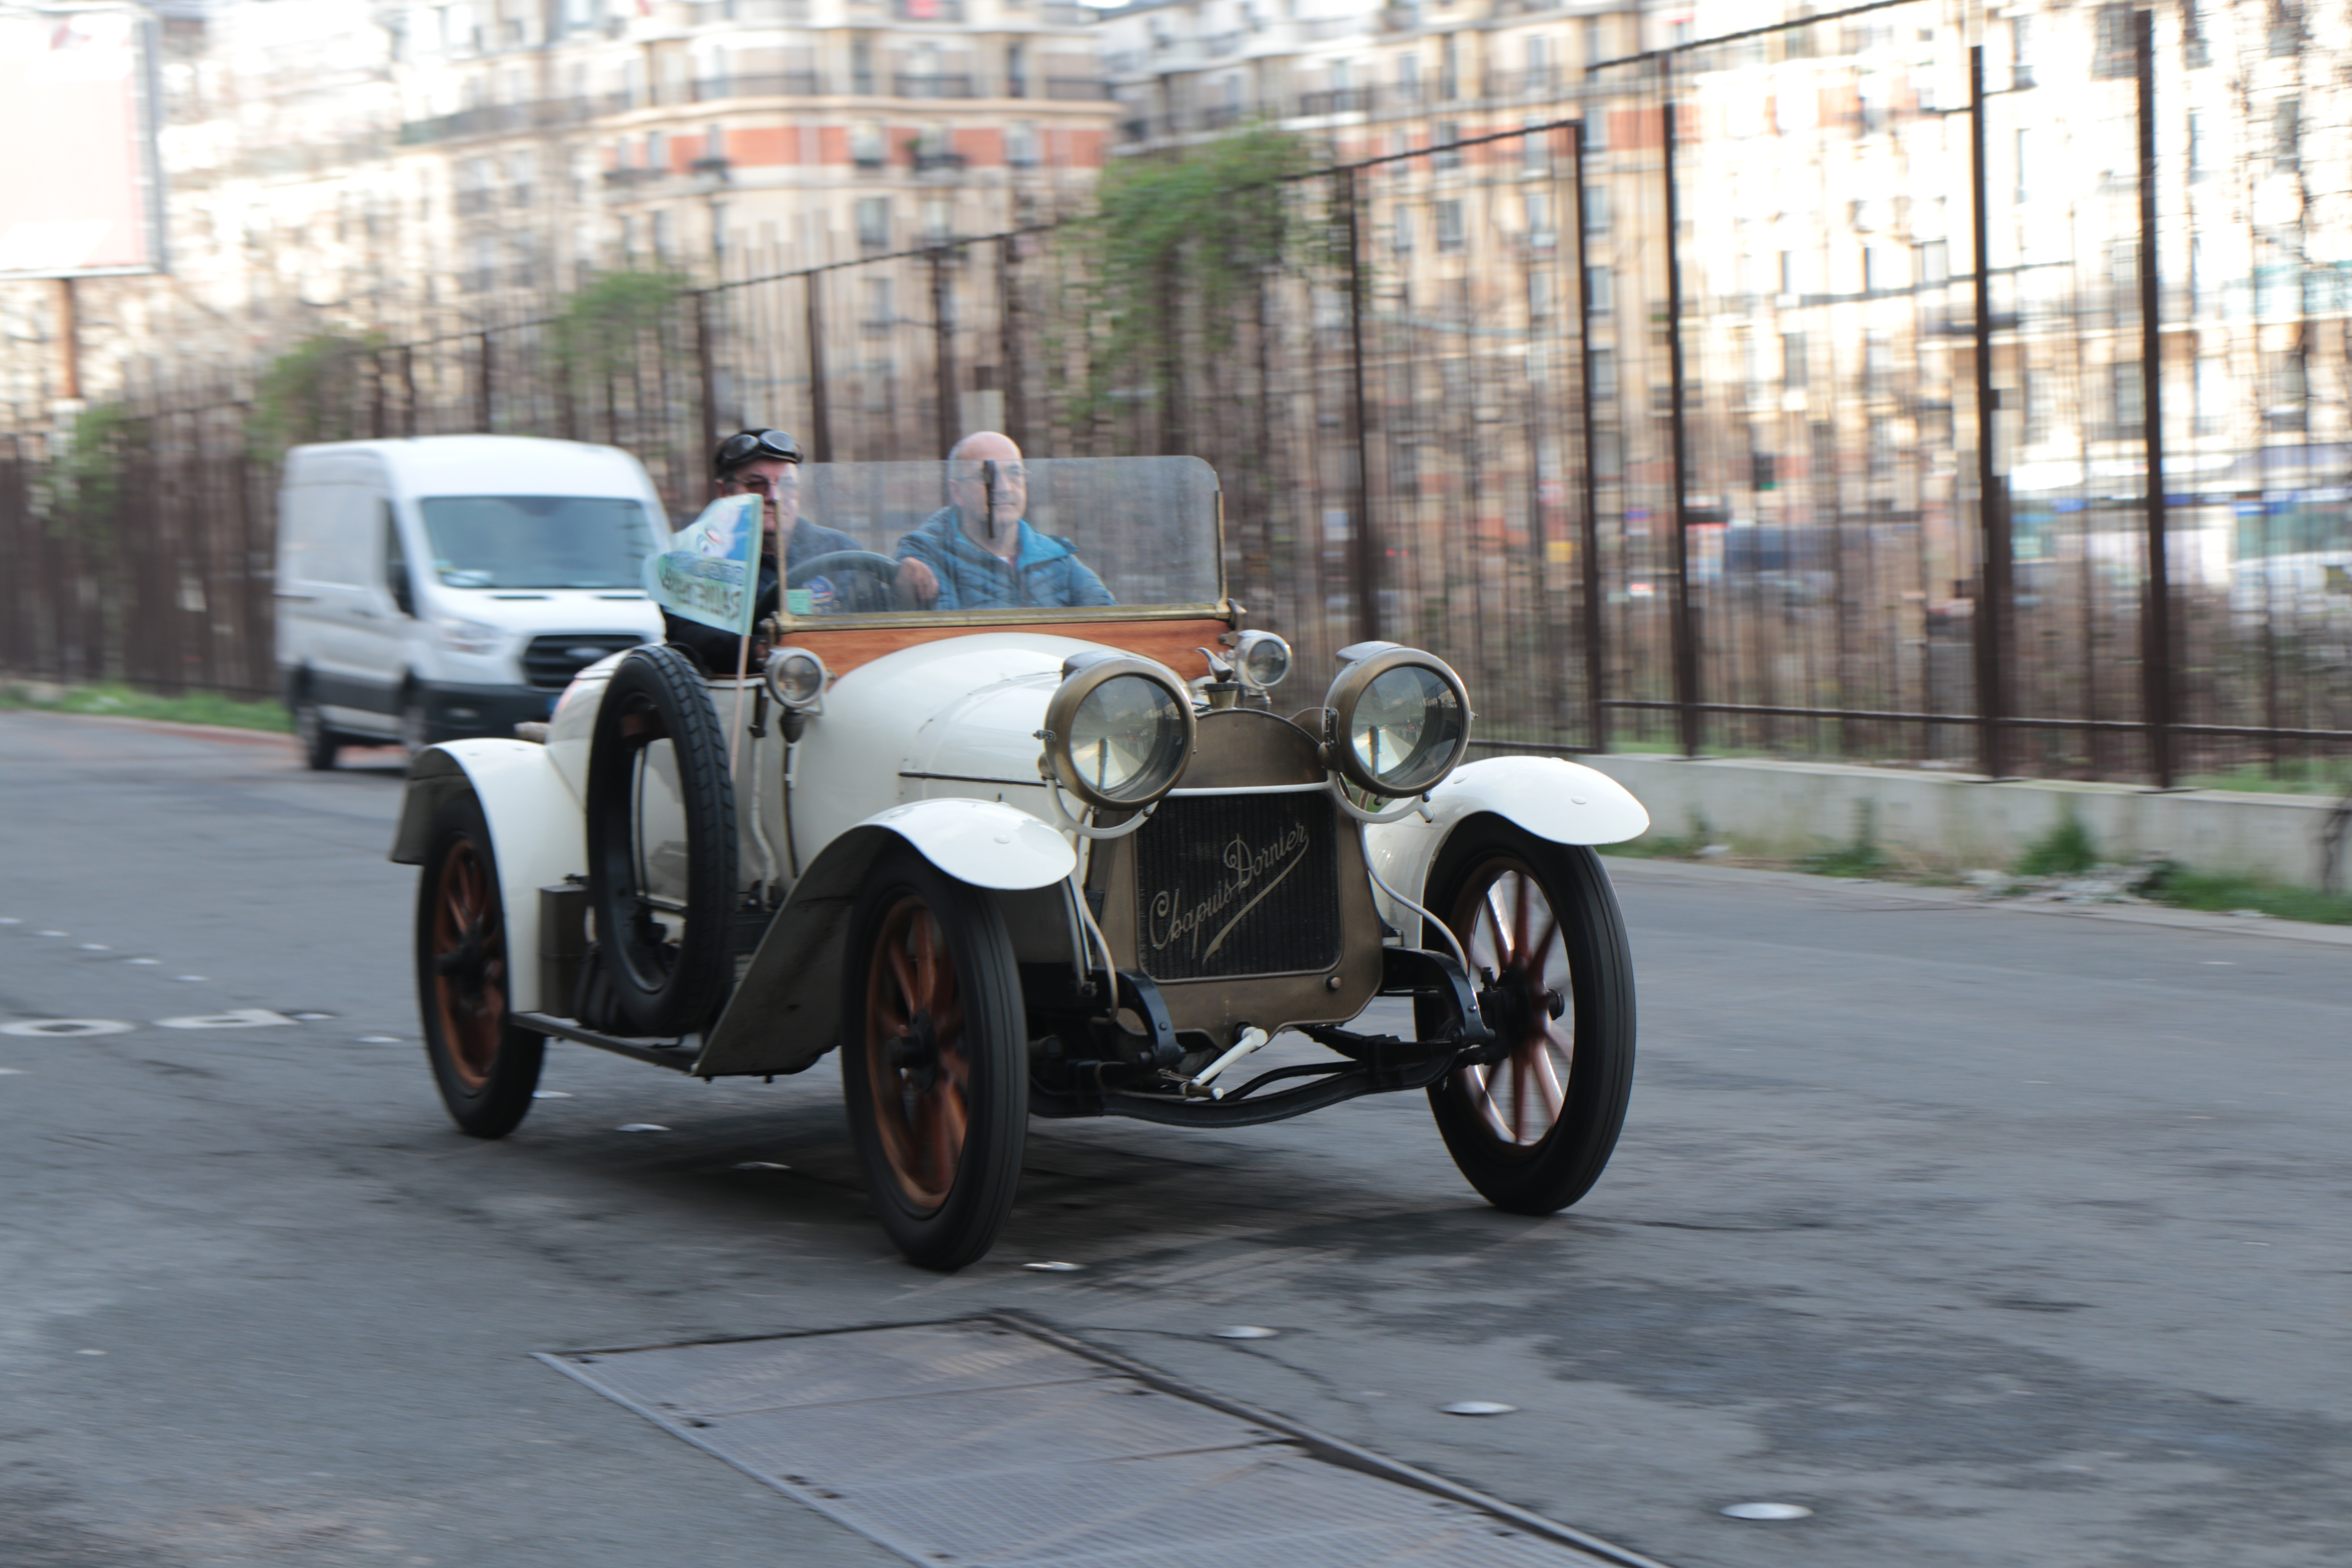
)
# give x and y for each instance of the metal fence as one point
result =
(1655, 408)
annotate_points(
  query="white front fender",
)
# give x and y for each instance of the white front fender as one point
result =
(786, 1012)
(1549, 797)
(536, 834)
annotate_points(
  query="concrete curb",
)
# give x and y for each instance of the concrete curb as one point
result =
(227, 734)
(1628, 868)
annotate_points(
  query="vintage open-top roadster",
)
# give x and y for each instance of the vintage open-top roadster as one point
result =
(1031, 862)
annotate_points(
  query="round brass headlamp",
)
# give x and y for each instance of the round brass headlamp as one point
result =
(1261, 659)
(1400, 719)
(1119, 730)
(795, 678)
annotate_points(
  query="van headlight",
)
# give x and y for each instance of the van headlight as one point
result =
(1400, 719)
(1117, 730)
(467, 637)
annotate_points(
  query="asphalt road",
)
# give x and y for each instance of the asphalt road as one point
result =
(1993, 1237)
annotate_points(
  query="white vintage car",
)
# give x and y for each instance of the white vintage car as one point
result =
(1031, 861)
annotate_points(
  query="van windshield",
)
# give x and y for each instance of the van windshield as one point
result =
(537, 542)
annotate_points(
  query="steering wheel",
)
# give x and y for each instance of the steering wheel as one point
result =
(870, 579)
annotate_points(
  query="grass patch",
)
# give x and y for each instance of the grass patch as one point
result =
(122, 703)
(1862, 857)
(2294, 775)
(2064, 851)
(2221, 892)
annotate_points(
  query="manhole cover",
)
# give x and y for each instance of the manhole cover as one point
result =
(978, 1443)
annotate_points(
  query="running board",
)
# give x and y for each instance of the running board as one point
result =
(671, 1054)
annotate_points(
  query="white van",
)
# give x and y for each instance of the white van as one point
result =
(450, 585)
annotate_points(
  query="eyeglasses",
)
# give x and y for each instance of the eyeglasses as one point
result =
(746, 445)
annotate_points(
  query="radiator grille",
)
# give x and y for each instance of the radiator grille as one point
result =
(1234, 885)
(551, 662)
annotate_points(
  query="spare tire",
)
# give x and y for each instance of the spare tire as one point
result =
(661, 844)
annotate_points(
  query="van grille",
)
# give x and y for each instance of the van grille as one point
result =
(551, 662)
(1235, 885)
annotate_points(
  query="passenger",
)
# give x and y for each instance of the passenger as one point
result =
(979, 553)
(762, 463)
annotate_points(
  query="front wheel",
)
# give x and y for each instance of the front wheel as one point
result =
(485, 1067)
(934, 1060)
(318, 744)
(1548, 952)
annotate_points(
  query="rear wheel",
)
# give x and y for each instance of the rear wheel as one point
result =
(934, 1060)
(1548, 952)
(319, 744)
(485, 1067)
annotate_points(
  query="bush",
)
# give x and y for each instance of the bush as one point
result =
(2064, 851)
(1862, 857)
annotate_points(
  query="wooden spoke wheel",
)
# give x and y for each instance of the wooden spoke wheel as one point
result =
(1548, 957)
(934, 1060)
(485, 1067)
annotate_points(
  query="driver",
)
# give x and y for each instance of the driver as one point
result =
(979, 553)
(762, 463)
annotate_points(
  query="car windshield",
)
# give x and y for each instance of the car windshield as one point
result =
(537, 542)
(1003, 538)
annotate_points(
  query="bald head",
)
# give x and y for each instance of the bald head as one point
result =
(990, 490)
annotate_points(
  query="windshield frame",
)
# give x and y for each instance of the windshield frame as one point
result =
(786, 624)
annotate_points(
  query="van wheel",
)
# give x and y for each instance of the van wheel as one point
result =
(318, 744)
(416, 724)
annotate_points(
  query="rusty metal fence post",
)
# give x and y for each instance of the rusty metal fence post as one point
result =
(1991, 614)
(1684, 627)
(2156, 622)
(1364, 553)
(1588, 547)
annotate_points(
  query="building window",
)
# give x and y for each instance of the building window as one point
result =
(2124, 398)
(879, 310)
(861, 67)
(1599, 287)
(1449, 225)
(1535, 149)
(2115, 56)
(1538, 293)
(2285, 30)
(1449, 67)
(1448, 131)
(939, 220)
(1020, 144)
(1016, 71)
(1796, 368)
(865, 147)
(1604, 372)
(2286, 132)
(1409, 76)
(2020, 51)
(874, 223)
(1596, 209)
(1541, 236)
(1401, 231)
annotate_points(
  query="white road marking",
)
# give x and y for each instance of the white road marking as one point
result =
(67, 1028)
(234, 1019)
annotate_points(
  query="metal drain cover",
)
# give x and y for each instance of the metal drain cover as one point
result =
(976, 1444)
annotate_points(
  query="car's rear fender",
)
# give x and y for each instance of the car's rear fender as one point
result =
(786, 1010)
(1549, 797)
(537, 835)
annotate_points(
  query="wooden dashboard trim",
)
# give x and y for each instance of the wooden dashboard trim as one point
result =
(1173, 643)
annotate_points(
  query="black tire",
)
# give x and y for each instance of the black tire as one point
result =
(319, 744)
(485, 1067)
(415, 723)
(1534, 1133)
(939, 1114)
(667, 975)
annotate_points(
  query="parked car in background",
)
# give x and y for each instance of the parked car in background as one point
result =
(452, 586)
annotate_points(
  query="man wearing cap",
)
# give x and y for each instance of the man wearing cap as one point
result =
(764, 463)
(979, 553)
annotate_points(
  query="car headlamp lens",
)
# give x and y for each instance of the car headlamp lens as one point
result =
(1117, 732)
(1126, 739)
(1261, 659)
(795, 678)
(1400, 722)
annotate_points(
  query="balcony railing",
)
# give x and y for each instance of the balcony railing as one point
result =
(765, 84)
(909, 85)
(1076, 88)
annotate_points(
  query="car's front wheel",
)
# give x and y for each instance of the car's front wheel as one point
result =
(1548, 952)
(934, 1060)
(319, 744)
(485, 1067)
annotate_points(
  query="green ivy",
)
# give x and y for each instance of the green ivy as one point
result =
(1185, 243)
(599, 329)
(313, 392)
